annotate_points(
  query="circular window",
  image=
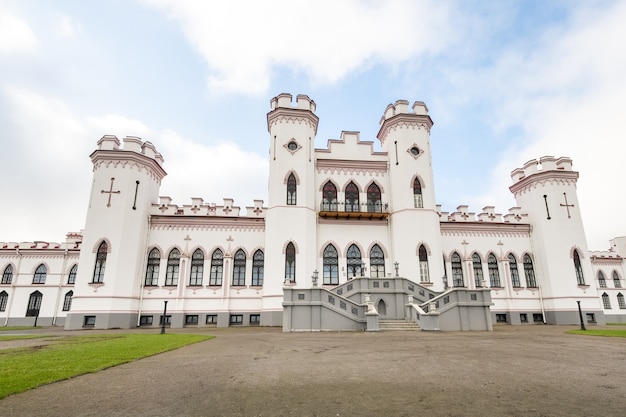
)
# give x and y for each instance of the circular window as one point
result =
(292, 146)
(415, 150)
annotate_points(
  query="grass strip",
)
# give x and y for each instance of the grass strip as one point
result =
(600, 332)
(25, 368)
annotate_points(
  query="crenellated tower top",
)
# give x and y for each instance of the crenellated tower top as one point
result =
(399, 115)
(282, 111)
(547, 168)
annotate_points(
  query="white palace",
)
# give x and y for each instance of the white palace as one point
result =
(350, 239)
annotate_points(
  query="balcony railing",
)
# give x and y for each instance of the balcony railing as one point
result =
(342, 210)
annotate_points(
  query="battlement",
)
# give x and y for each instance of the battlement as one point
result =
(72, 241)
(544, 164)
(199, 208)
(284, 100)
(132, 144)
(488, 215)
(402, 107)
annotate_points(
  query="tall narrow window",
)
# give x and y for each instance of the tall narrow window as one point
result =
(217, 268)
(478, 270)
(417, 194)
(197, 268)
(40, 274)
(173, 268)
(580, 278)
(457, 270)
(515, 281)
(331, 266)
(374, 204)
(4, 298)
(7, 275)
(494, 274)
(606, 301)
(34, 304)
(620, 301)
(445, 274)
(353, 261)
(329, 197)
(239, 268)
(152, 269)
(290, 262)
(377, 262)
(601, 279)
(71, 278)
(291, 190)
(423, 257)
(67, 301)
(352, 197)
(101, 260)
(258, 261)
(529, 272)
(617, 283)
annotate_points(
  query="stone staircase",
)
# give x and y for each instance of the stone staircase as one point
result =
(397, 325)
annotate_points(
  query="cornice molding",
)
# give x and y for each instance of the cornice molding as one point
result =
(343, 166)
(404, 121)
(131, 159)
(478, 229)
(541, 178)
(284, 115)
(197, 223)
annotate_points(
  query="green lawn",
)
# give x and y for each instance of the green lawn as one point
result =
(63, 357)
(600, 332)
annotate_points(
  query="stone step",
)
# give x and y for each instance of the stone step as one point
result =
(397, 325)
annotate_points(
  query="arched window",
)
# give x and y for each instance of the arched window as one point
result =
(418, 202)
(620, 301)
(353, 261)
(373, 199)
(71, 278)
(217, 268)
(7, 275)
(290, 262)
(617, 283)
(4, 298)
(152, 269)
(239, 268)
(423, 258)
(331, 266)
(173, 268)
(197, 267)
(67, 301)
(34, 304)
(601, 279)
(291, 190)
(515, 281)
(40, 274)
(101, 260)
(580, 278)
(606, 301)
(494, 274)
(329, 197)
(352, 197)
(478, 270)
(529, 272)
(445, 274)
(457, 270)
(377, 262)
(258, 260)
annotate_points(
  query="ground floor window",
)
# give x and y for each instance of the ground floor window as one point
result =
(255, 319)
(538, 318)
(236, 319)
(191, 319)
(523, 317)
(145, 320)
(168, 319)
(591, 317)
(501, 318)
(211, 319)
(89, 321)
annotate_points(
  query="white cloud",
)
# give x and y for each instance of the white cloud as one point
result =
(67, 27)
(15, 34)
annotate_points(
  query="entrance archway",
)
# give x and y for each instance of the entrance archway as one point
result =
(382, 307)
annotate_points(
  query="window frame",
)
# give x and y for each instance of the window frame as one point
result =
(292, 190)
(494, 271)
(217, 268)
(39, 277)
(172, 271)
(7, 275)
(196, 271)
(239, 269)
(330, 262)
(100, 264)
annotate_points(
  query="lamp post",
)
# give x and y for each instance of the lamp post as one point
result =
(164, 317)
(580, 315)
(396, 265)
(314, 277)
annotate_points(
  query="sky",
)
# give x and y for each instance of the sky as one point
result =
(505, 82)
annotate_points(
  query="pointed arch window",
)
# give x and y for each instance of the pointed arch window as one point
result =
(606, 302)
(4, 298)
(197, 268)
(7, 275)
(101, 260)
(529, 272)
(423, 259)
(291, 190)
(457, 270)
(601, 279)
(152, 269)
(620, 301)
(478, 270)
(331, 266)
(258, 261)
(377, 262)
(494, 274)
(173, 268)
(71, 278)
(515, 281)
(40, 274)
(374, 204)
(67, 301)
(290, 262)
(217, 268)
(239, 268)
(34, 304)
(418, 202)
(329, 197)
(353, 261)
(580, 278)
(352, 197)
(617, 282)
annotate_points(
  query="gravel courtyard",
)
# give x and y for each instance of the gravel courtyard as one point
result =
(512, 371)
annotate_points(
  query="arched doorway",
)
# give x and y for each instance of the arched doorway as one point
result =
(382, 307)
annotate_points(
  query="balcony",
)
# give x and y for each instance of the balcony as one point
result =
(366, 211)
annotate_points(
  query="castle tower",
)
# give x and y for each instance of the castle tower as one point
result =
(125, 183)
(414, 222)
(290, 222)
(546, 190)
